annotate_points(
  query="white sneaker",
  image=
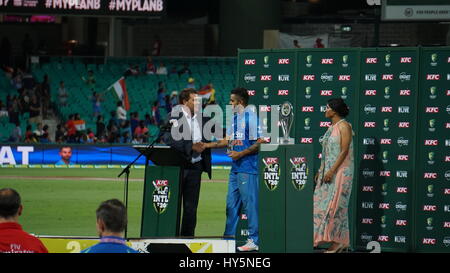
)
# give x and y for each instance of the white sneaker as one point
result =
(249, 246)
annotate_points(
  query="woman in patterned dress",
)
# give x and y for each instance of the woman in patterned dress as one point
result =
(334, 181)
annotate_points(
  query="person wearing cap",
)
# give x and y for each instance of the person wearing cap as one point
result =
(191, 83)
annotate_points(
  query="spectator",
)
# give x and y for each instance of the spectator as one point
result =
(132, 71)
(90, 80)
(113, 119)
(173, 70)
(319, 44)
(156, 51)
(96, 104)
(45, 137)
(39, 131)
(100, 127)
(174, 98)
(62, 94)
(80, 125)
(191, 84)
(136, 140)
(35, 110)
(147, 121)
(59, 134)
(150, 67)
(29, 136)
(90, 136)
(134, 121)
(141, 129)
(125, 137)
(16, 135)
(162, 70)
(46, 95)
(121, 113)
(12, 238)
(126, 128)
(161, 95)
(155, 113)
(16, 80)
(28, 81)
(168, 105)
(111, 223)
(296, 44)
(71, 129)
(184, 70)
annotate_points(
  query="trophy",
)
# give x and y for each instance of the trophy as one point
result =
(286, 121)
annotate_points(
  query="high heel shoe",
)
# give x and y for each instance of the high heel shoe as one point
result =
(339, 249)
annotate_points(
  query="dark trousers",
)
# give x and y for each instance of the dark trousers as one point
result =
(190, 192)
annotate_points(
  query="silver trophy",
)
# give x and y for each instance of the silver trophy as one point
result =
(286, 121)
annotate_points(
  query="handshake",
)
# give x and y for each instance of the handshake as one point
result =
(199, 147)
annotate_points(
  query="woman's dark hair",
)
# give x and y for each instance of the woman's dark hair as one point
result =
(186, 94)
(338, 105)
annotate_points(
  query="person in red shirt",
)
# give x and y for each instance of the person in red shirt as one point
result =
(12, 238)
(71, 129)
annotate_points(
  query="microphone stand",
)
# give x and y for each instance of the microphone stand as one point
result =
(126, 171)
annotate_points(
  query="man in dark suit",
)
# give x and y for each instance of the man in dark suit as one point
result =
(186, 136)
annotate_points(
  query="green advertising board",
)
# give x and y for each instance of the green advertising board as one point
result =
(433, 159)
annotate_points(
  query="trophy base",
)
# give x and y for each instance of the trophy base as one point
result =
(286, 141)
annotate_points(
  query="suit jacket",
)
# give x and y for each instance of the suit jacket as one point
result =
(184, 145)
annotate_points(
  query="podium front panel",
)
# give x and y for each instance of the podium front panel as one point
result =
(160, 211)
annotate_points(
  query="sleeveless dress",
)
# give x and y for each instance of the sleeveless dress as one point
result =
(331, 200)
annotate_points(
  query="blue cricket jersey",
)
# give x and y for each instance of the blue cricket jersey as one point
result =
(110, 244)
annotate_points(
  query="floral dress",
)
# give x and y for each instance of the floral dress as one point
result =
(331, 200)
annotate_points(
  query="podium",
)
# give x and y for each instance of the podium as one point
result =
(161, 206)
(286, 198)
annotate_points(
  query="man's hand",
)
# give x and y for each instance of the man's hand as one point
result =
(235, 155)
(198, 147)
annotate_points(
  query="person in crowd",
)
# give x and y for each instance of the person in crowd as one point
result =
(150, 66)
(16, 134)
(111, 223)
(184, 70)
(45, 137)
(141, 129)
(62, 94)
(90, 80)
(39, 131)
(35, 110)
(134, 122)
(243, 144)
(100, 132)
(65, 152)
(45, 95)
(191, 83)
(161, 95)
(71, 129)
(319, 43)
(296, 44)
(13, 239)
(60, 134)
(29, 136)
(157, 44)
(192, 150)
(162, 69)
(156, 114)
(121, 113)
(334, 180)
(97, 104)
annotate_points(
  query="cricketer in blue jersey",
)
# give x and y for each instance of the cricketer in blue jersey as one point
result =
(243, 140)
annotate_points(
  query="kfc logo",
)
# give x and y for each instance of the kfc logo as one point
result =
(325, 124)
(367, 189)
(327, 61)
(402, 157)
(367, 221)
(432, 110)
(326, 92)
(431, 142)
(344, 77)
(266, 77)
(371, 92)
(429, 208)
(447, 191)
(401, 223)
(428, 241)
(430, 175)
(309, 77)
(283, 61)
(283, 92)
(383, 238)
(371, 60)
(405, 92)
(369, 124)
(402, 190)
(403, 125)
(433, 77)
(406, 60)
(385, 173)
(386, 109)
(368, 157)
(305, 140)
(251, 92)
(387, 77)
(308, 109)
(264, 108)
(386, 141)
(250, 62)
(384, 206)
